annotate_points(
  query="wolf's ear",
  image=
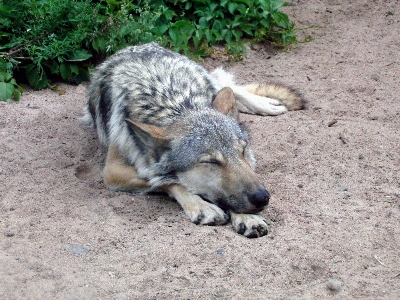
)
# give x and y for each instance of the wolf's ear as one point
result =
(225, 102)
(152, 136)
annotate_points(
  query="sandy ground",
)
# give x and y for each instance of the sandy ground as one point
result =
(335, 206)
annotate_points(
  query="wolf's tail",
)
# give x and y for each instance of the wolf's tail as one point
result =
(287, 96)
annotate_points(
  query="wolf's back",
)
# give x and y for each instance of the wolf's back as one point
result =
(147, 84)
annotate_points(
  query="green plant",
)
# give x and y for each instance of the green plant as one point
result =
(203, 23)
(44, 40)
(8, 84)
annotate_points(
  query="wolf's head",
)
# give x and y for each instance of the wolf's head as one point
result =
(208, 153)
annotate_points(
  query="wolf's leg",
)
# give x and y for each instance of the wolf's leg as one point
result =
(198, 210)
(251, 226)
(120, 176)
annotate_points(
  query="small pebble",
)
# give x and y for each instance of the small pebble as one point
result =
(77, 249)
(343, 189)
(10, 233)
(220, 251)
(334, 285)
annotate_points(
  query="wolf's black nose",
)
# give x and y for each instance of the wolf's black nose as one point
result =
(260, 198)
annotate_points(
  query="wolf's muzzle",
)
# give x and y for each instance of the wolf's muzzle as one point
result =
(260, 198)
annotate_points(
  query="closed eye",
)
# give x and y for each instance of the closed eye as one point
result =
(212, 162)
(216, 158)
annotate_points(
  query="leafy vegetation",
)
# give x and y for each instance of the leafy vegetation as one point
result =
(44, 40)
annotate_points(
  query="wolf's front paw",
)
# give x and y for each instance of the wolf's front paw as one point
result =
(205, 213)
(198, 210)
(251, 226)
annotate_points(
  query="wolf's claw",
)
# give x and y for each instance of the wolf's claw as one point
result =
(251, 226)
(207, 214)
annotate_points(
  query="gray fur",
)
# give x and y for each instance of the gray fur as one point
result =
(152, 85)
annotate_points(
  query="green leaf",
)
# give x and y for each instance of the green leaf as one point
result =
(265, 4)
(282, 20)
(82, 76)
(209, 17)
(242, 9)
(99, 44)
(160, 30)
(74, 69)
(36, 77)
(265, 23)
(237, 34)
(203, 22)
(208, 36)
(3, 64)
(213, 6)
(169, 14)
(65, 71)
(218, 25)
(248, 31)
(124, 30)
(199, 34)
(17, 94)
(52, 65)
(182, 24)
(196, 41)
(173, 33)
(79, 55)
(180, 32)
(232, 7)
(6, 90)
(3, 76)
(223, 2)
(276, 4)
(228, 36)
(188, 5)
(20, 89)
(5, 9)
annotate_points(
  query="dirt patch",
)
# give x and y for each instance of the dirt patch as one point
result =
(333, 171)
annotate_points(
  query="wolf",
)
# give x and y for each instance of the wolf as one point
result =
(170, 125)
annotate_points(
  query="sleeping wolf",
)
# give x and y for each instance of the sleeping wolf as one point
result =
(169, 124)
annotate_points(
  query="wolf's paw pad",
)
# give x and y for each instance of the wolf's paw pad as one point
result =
(208, 214)
(251, 226)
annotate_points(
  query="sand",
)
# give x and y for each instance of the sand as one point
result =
(333, 171)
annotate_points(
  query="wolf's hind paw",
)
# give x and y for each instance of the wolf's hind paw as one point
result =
(251, 226)
(274, 109)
